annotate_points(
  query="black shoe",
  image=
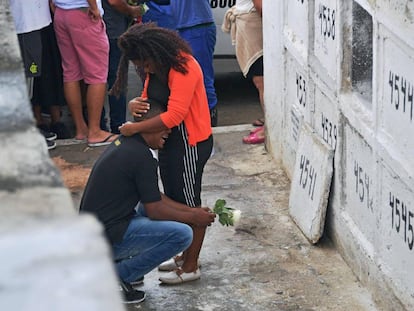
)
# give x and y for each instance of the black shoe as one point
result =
(214, 116)
(137, 281)
(51, 144)
(131, 295)
(61, 130)
(44, 130)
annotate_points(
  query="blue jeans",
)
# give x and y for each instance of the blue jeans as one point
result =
(147, 243)
(203, 41)
(117, 106)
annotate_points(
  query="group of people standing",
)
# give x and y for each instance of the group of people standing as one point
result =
(84, 34)
(174, 115)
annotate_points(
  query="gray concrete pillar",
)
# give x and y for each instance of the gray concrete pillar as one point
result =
(51, 258)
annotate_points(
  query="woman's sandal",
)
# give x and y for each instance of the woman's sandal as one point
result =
(259, 122)
(257, 129)
(253, 139)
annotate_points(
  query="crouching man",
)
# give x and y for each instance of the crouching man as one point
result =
(141, 235)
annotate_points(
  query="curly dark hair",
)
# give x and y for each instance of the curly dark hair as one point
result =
(147, 41)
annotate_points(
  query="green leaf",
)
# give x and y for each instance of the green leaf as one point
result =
(220, 204)
(225, 213)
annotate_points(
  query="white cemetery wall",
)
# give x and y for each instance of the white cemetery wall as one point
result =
(356, 59)
(296, 28)
(396, 107)
(326, 117)
(326, 37)
(359, 181)
(396, 232)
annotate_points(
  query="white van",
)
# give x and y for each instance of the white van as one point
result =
(224, 48)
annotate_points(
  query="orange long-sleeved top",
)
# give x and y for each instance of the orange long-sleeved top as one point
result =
(187, 102)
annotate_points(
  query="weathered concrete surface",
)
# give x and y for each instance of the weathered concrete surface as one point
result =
(265, 263)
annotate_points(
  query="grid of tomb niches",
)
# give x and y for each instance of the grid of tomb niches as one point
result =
(335, 43)
(335, 40)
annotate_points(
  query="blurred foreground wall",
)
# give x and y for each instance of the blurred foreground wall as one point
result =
(50, 257)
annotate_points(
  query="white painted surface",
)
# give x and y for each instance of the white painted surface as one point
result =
(297, 87)
(396, 233)
(297, 24)
(326, 35)
(274, 69)
(297, 104)
(310, 184)
(396, 109)
(290, 139)
(360, 183)
(326, 118)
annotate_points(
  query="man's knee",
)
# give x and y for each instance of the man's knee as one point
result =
(185, 235)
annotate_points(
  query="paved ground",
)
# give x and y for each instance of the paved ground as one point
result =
(264, 263)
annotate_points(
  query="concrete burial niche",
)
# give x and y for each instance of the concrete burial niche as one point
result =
(311, 183)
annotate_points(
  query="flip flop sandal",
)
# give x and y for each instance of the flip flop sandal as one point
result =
(257, 129)
(104, 142)
(253, 139)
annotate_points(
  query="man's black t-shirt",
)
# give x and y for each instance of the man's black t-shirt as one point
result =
(123, 175)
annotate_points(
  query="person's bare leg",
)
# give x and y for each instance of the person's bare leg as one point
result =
(95, 97)
(55, 113)
(74, 100)
(258, 82)
(37, 113)
(191, 254)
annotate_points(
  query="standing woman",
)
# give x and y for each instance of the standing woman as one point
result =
(244, 22)
(174, 78)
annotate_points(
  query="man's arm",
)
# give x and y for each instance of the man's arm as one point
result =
(52, 6)
(123, 7)
(167, 209)
(177, 205)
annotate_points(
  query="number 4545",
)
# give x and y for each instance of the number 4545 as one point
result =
(402, 220)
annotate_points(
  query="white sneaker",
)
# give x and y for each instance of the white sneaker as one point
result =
(179, 276)
(170, 264)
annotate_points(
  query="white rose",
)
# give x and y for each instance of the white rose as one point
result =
(236, 216)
